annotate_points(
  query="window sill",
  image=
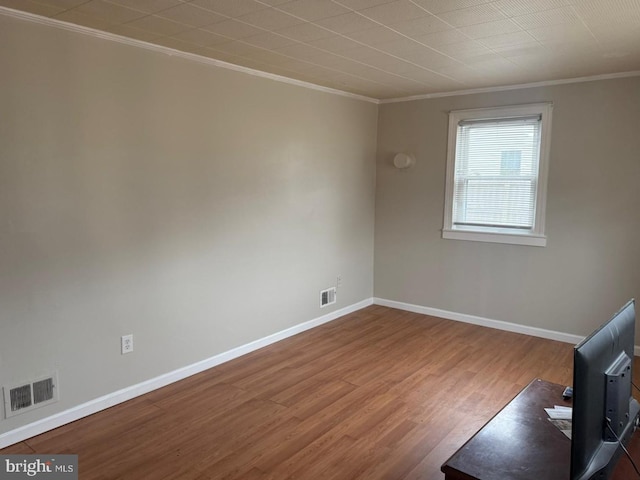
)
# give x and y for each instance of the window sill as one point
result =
(495, 237)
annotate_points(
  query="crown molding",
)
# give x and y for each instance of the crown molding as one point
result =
(546, 83)
(51, 22)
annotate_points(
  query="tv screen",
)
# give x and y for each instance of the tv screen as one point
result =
(604, 410)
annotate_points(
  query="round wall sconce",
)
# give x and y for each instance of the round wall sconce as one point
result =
(404, 160)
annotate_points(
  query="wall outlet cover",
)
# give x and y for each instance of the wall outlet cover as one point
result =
(126, 344)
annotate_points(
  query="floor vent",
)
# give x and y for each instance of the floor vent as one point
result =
(328, 297)
(28, 396)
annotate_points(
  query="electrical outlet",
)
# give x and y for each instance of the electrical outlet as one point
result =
(126, 344)
(339, 281)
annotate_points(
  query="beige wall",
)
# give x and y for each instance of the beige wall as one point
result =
(195, 207)
(591, 264)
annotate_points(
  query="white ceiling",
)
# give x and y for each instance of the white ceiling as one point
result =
(380, 48)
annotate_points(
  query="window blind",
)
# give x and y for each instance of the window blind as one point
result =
(496, 172)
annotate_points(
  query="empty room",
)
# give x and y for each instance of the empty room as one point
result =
(319, 239)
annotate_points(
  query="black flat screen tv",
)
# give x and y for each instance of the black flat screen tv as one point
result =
(604, 410)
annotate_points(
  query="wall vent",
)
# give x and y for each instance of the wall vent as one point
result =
(328, 297)
(42, 390)
(20, 397)
(30, 395)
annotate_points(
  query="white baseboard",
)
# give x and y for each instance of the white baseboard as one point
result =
(93, 406)
(487, 322)
(482, 321)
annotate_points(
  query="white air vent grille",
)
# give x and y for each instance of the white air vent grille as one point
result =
(20, 397)
(28, 396)
(42, 390)
(328, 297)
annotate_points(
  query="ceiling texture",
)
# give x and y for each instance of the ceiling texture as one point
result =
(382, 49)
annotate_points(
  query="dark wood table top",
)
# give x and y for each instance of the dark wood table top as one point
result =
(519, 443)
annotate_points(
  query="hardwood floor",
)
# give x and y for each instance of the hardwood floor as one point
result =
(378, 394)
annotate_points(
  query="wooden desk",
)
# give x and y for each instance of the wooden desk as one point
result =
(519, 443)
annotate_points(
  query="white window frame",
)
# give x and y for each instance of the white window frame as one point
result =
(536, 235)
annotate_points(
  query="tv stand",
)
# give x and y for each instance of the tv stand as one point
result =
(520, 443)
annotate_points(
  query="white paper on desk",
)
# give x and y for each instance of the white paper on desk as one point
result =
(562, 407)
(559, 414)
(563, 425)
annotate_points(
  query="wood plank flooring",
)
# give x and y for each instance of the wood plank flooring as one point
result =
(377, 394)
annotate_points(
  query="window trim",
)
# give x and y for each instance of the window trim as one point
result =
(534, 237)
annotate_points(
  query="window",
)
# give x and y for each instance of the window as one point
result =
(497, 174)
